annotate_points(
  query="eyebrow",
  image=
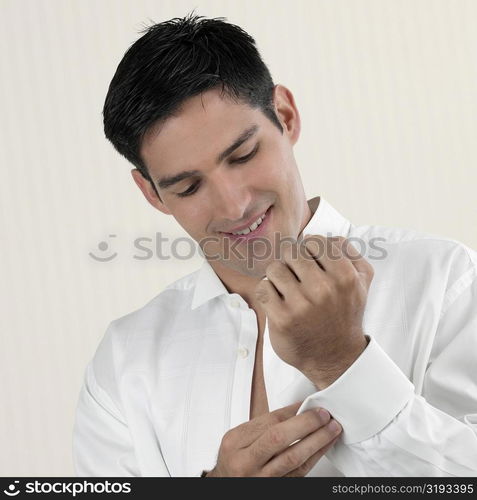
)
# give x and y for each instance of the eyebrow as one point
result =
(165, 182)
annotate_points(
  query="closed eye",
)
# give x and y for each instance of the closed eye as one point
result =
(243, 159)
(190, 190)
(247, 157)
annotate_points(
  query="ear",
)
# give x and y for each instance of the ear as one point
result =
(148, 191)
(287, 112)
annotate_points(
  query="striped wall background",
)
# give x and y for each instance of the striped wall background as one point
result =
(387, 91)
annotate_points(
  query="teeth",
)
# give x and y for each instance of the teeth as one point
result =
(252, 227)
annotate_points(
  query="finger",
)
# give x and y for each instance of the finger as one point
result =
(279, 437)
(296, 455)
(249, 431)
(329, 254)
(307, 465)
(362, 266)
(342, 261)
(283, 279)
(302, 264)
(316, 249)
(267, 294)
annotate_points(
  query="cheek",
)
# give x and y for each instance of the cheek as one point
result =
(278, 176)
(274, 170)
(192, 218)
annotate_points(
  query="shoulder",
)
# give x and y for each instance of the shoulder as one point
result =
(422, 243)
(142, 329)
(175, 298)
(415, 256)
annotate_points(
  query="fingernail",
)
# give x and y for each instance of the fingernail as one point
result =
(334, 426)
(324, 415)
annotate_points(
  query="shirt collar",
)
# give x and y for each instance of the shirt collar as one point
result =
(207, 286)
(325, 220)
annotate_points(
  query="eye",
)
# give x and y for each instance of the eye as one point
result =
(190, 190)
(248, 157)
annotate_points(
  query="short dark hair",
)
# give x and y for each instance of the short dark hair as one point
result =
(175, 60)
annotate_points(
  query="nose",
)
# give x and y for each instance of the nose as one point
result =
(231, 199)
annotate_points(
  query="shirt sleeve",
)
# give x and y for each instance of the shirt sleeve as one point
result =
(102, 445)
(391, 430)
(108, 438)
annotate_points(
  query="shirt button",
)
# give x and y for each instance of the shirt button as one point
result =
(243, 352)
(235, 303)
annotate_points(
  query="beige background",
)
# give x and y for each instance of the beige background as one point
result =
(388, 97)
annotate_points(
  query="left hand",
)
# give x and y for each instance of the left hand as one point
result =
(314, 299)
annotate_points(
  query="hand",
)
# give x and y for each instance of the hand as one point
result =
(314, 300)
(263, 446)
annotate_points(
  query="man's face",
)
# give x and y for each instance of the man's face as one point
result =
(229, 189)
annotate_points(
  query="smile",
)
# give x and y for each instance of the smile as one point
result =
(252, 227)
(255, 229)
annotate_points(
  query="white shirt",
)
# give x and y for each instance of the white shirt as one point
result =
(168, 380)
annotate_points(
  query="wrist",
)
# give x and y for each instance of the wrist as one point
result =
(324, 376)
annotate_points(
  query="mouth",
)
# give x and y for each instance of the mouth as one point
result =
(256, 229)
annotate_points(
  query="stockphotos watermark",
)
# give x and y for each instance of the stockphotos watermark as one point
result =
(257, 249)
(72, 488)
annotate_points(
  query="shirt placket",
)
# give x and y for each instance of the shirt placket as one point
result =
(244, 360)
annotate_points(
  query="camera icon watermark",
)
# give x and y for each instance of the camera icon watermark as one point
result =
(103, 246)
(13, 489)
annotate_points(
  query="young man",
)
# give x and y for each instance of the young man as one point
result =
(329, 366)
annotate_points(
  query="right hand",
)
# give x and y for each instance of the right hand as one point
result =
(263, 446)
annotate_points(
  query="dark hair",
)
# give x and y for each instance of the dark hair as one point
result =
(175, 60)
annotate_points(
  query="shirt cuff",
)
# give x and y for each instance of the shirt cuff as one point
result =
(366, 397)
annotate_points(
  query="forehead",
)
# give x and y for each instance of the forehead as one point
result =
(204, 126)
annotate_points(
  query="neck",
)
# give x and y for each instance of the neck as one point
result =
(236, 282)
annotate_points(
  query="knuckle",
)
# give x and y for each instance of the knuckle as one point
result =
(289, 251)
(323, 288)
(291, 460)
(276, 417)
(315, 245)
(228, 441)
(273, 418)
(261, 293)
(334, 252)
(345, 244)
(351, 251)
(256, 452)
(274, 268)
(346, 280)
(276, 436)
(335, 239)
(304, 468)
